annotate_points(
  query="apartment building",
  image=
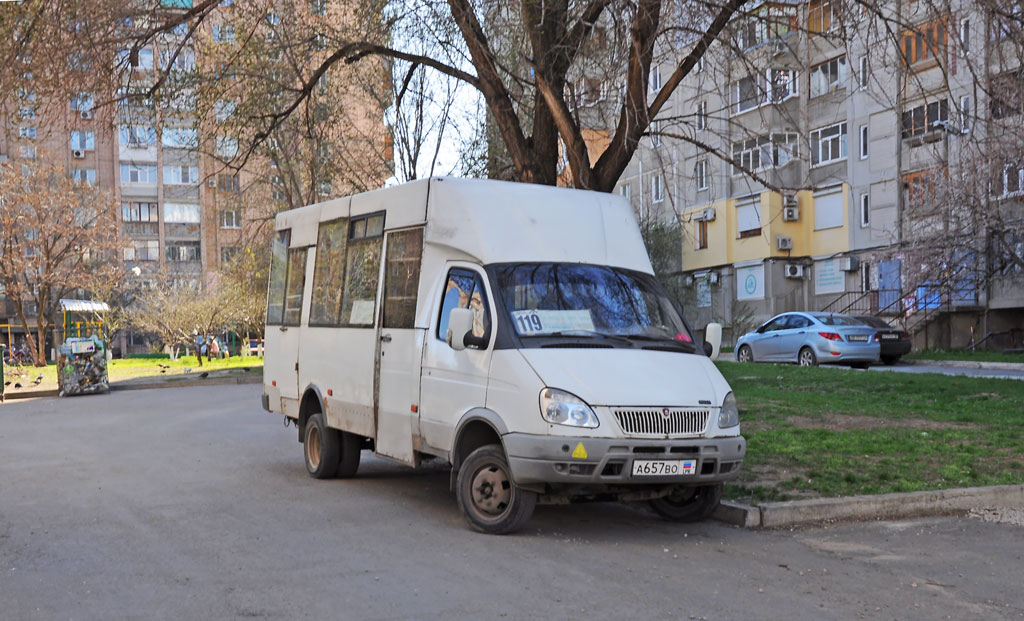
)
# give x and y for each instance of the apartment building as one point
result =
(848, 147)
(187, 204)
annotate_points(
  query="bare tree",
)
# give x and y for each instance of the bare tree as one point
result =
(59, 236)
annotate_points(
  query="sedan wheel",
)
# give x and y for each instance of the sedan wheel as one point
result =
(744, 354)
(807, 357)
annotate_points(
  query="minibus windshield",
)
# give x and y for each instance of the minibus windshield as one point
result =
(590, 301)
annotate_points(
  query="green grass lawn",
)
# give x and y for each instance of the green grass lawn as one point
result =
(836, 432)
(959, 354)
(128, 369)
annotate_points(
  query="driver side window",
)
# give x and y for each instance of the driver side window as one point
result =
(465, 289)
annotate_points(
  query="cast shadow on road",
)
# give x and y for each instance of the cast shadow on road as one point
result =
(427, 489)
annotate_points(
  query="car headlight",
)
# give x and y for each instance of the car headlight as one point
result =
(729, 415)
(563, 408)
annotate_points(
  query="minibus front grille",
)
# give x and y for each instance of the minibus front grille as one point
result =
(662, 422)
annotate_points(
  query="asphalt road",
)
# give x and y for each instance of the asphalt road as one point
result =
(194, 504)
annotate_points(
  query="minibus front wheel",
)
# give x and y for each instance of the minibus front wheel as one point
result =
(488, 498)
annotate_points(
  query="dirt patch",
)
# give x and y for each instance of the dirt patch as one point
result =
(844, 422)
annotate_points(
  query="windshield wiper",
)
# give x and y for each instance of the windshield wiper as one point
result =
(583, 332)
(662, 339)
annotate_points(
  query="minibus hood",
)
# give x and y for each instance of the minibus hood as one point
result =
(624, 377)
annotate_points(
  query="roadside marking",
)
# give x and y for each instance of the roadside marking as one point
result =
(579, 452)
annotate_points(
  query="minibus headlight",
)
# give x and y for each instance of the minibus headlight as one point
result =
(563, 408)
(729, 416)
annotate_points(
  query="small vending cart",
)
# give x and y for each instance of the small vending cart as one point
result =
(82, 358)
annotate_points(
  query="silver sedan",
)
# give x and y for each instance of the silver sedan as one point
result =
(810, 339)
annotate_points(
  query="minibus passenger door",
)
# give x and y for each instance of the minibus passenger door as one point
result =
(454, 382)
(400, 347)
(284, 312)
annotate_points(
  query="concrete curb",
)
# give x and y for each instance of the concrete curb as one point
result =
(212, 381)
(968, 364)
(14, 396)
(880, 507)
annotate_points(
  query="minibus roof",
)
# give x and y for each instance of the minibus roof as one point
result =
(488, 221)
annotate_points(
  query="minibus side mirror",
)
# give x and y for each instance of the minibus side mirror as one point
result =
(460, 326)
(713, 340)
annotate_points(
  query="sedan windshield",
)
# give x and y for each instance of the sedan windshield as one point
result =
(568, 299)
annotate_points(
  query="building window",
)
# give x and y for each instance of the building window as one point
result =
(137, 135)
(828, 76)
(657, 188)
(28, 132)
(84, 175)
(27, 113)
(228, 254)
(224, 109)
(655, 82)
(138, 173)
(1007, 94)
(702, 115)
(965, 37)
(180, 138)
(228, 183)
(924, 118)
(223, 33)
(83, 141)
(181, 213)
(782, 84)
(82, 102)
(702, 234)
(965, 114)
(823, 15)
(918, 188)
(763, 152)
(181, 175)
(745, 95)
(139, 212)
(828, 144)
(625, 191)
(136, 59)
(700, 174)
(318, 7)
(230, 219)
(655, 132)
(226, 148)
(183, 251)
(772, 86)
(143, 251)
(927, 41)
(863, 75)
(323, 188)
(1009, 181)
(863, 142)
(865, 210)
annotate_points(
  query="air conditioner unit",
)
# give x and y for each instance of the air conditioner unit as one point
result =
(713, 278)
(790, 214)
(708, 215)
(784, 243)
(794, 270)
(849, 264)
(77, 154)
(211, 183)
(789, 200)
(689, 281)
(85, 114)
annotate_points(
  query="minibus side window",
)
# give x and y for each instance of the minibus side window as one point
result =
(465, 289)
(402, 278)
(362, 270)
(293, 286)
(278, 272)
(329, 273)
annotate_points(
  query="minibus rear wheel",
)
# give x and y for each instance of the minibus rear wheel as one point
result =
(488, 498)
(689, 504)
(321, 446)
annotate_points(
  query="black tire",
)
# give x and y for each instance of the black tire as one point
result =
(351, 449)
(890, 360)
(321, 447)
(487, 497)
(806, 357)
(744, 354)
(689, 504)
(859, 365)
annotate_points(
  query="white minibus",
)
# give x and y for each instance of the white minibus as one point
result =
(516, 331)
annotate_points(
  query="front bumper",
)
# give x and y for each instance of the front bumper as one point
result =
(549, 460)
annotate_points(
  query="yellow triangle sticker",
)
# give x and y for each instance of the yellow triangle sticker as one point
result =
(579, 452)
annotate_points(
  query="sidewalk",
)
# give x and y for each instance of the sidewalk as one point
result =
(241, 375)
(968, 364)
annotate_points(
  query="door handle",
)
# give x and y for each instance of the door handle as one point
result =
(282, 329)
(385, 338)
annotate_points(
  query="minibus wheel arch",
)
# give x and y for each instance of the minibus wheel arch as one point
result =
(312, 403)
(478, 428)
